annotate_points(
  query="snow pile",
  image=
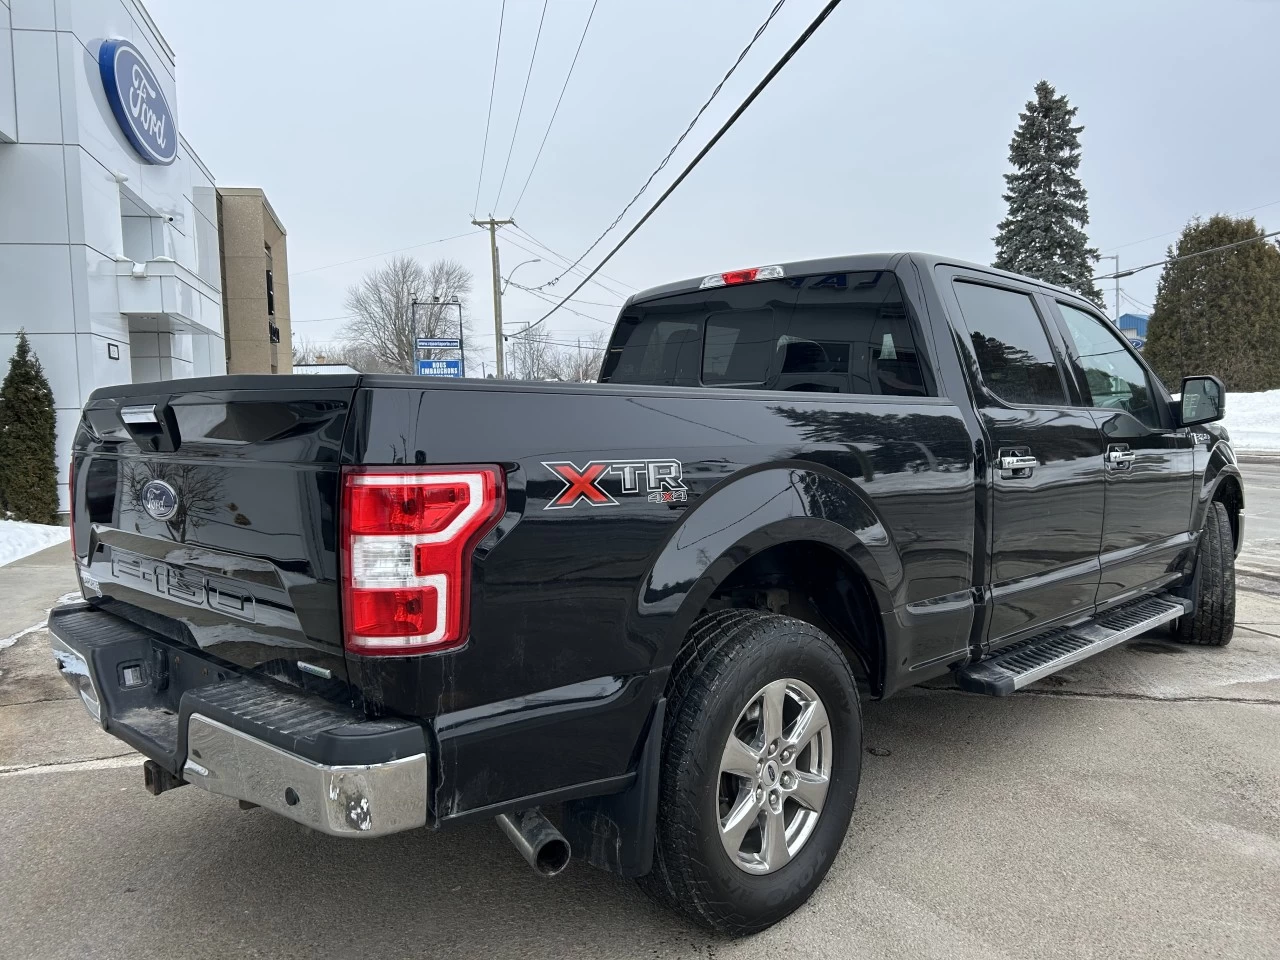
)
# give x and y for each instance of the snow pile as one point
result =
(1253, 420)
(19, 539)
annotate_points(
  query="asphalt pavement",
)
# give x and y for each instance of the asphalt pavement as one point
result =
(1262, 512)
(1129, 806)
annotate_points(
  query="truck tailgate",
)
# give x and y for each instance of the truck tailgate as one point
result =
(209, 515)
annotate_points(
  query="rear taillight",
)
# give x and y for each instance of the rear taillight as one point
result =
(407, 539)
(748, 275)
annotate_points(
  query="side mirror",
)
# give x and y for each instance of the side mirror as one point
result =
(1204, 399)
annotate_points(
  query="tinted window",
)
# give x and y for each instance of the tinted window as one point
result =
(654, 351)
(1114, 379)
(849, 333)
(738, 348)
(1012, 348)
(833, 333)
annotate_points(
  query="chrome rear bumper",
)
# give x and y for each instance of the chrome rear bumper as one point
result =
(109, 663)
(344, 801)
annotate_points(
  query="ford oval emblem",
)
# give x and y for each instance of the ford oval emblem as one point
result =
(138, 102)
(159, 499)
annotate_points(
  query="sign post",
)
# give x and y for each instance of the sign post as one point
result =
(439, 343)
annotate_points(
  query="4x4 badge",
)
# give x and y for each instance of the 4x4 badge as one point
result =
(662, 479)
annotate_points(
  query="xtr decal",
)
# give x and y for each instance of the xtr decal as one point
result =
(661, 479)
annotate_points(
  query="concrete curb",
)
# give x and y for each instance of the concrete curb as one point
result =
(1258, 456)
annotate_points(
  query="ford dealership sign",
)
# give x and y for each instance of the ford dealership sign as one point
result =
(136, 100)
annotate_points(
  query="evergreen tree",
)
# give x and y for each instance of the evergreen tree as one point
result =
(1218, 313)
(28, 474)
(1043, 235)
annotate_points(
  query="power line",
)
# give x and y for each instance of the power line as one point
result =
(521, 246)
(579, 300)
(520, 113)
(701, 110)
(1136, 302)
(581, 346)
(724, 128)
(484, 151)
(577, 313)
(1169, 233)
(560, 256)
(1187, 256)
(385, 253)
(348, 316)
(563, 88)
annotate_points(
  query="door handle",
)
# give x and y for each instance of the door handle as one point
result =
(1015, 468)
(1120, 456)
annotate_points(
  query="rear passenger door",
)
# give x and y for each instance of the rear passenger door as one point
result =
(1149, 463)
(1044, 457)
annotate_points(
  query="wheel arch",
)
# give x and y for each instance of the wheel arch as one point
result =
(768, 529)
(1222, 483)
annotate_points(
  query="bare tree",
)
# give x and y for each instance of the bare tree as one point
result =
(581, 363)
(382, 304)
(356, 355)
(534, 356)
(197, 488)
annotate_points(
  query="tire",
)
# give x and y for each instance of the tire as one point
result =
(731, 668)
(1213, 588)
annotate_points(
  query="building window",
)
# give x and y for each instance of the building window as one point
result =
(271, 290)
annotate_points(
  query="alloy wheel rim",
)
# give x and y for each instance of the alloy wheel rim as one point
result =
(775, 770)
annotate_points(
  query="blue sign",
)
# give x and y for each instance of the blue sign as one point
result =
(1138, 342)
(135, 97)
(439, 368)
(438, 343)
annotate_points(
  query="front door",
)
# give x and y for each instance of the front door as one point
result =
(1044, 453)
(1149, 463)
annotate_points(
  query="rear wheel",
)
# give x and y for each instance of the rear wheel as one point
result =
(761, 760)
(1213, 588)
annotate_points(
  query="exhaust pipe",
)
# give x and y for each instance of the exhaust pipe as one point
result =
(537, 839)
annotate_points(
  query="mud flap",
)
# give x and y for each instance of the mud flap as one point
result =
(616, 832)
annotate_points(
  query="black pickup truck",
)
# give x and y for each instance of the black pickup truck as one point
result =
(636, 620)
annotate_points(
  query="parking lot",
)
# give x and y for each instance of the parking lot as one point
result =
(1129, 806)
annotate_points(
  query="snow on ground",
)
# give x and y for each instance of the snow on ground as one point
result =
(1253, 420)
(19, 539)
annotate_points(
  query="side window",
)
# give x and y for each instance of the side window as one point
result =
(849, 333)
(1114, 379)
(1011, 345)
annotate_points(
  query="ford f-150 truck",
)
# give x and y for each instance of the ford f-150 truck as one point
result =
(636, 620)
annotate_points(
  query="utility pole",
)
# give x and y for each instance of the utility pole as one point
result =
(1116, 258)
(493, 226)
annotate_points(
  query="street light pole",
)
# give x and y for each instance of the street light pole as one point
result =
(1116, 258)
(515, 268)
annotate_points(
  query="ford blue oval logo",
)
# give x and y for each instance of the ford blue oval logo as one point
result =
(159, 499)
(136, 100)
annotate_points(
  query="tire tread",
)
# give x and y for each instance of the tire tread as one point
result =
(1212, 623)
(714, 643)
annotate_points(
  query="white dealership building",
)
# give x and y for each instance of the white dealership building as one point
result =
(109, 254)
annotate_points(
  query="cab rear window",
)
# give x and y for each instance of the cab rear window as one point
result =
(830, 333)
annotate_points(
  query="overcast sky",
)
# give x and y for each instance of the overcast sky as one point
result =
(890, 130)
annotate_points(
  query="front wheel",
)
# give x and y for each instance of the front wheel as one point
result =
(1213, 588)
(761, 759)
